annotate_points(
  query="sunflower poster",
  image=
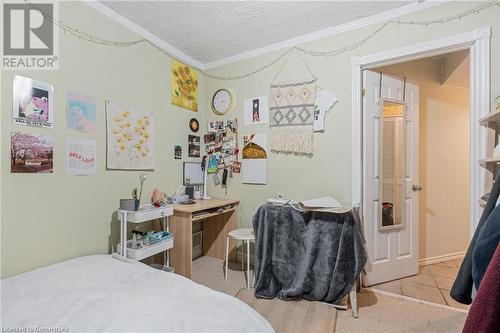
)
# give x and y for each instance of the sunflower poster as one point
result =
(184, 83)
(130, 144)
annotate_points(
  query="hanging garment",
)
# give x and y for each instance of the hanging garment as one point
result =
(325, 101)
(486, 243)
(462, 287)
(484, 313)
(291, 117)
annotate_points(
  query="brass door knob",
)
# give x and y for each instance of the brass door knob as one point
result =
(416, 188)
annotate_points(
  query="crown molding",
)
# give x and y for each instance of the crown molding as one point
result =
(170, 49)
(175, 52)
(352, 25)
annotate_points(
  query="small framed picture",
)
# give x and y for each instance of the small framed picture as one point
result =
(193, 146)
(177, 152)
(32, 102)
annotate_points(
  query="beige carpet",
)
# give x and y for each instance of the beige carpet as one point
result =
(209, 272)
(380, 313)
(292, 316)
(377, 313)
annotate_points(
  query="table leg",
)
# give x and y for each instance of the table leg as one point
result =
(354, 301)
(248, 264)
(227, 258)
(123, 233)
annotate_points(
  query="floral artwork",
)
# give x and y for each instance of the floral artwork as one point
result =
(32, 102)
(130, 144)
(184, 83)
(80, 112)
(31, 153)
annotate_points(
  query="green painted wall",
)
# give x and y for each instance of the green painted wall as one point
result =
(328, 172)
(47, 218)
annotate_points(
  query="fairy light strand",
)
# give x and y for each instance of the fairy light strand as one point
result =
(67, 28)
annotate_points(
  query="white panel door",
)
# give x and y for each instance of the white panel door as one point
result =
(392, 251)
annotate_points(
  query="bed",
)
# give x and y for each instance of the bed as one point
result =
(103, 293)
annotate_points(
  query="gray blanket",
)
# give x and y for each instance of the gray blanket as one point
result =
(314, 255)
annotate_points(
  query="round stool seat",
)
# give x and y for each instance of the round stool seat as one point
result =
(242, 234)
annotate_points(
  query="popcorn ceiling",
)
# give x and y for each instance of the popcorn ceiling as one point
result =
(209, 31)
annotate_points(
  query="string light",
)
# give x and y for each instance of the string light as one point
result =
(331, 53)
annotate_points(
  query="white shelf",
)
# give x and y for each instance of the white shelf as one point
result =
(491, 117)
(148, 214)
(490, 160)
(149, 250)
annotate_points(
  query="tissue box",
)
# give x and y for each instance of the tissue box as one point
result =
(177, 199)
(129, 204)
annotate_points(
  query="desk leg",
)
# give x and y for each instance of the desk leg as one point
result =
(181, 255)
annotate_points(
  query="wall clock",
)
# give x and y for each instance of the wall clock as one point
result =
(223, 101)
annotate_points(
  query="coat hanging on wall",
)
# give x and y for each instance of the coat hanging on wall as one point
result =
(292, 117)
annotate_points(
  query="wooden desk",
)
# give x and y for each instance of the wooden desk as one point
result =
(216, 225)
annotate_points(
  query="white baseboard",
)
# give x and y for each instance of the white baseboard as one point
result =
(415, 300)
(443, 258)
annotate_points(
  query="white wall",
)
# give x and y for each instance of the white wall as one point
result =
(444, 155)
(47, 218)
(329, 170)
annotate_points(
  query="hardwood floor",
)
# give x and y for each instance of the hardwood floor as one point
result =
(292, 316)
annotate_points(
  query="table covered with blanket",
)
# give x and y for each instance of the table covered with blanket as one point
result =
(314, 255)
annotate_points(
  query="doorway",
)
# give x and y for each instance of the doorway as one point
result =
(478, 44)
(441, 183)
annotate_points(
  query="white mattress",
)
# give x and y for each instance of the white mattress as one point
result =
(100, 293)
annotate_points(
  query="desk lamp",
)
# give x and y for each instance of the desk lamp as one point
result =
(142, 179)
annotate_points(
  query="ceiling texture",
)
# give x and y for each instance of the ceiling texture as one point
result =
(208, 31)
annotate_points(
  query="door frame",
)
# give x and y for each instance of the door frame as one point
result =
(478, 43)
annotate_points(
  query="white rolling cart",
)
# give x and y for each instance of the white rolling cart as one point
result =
(145, 214)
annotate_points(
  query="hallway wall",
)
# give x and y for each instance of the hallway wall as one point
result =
(444, 154)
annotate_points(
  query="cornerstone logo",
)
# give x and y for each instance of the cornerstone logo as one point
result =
(29, 36)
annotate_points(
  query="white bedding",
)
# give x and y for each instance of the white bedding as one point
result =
(103, 294)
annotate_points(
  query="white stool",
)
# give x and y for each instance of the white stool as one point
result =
(244, 234)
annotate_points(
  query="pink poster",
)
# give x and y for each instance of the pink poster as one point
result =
(31, 153)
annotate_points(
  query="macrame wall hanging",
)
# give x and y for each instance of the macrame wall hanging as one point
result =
(291, 117)
(291, 113)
